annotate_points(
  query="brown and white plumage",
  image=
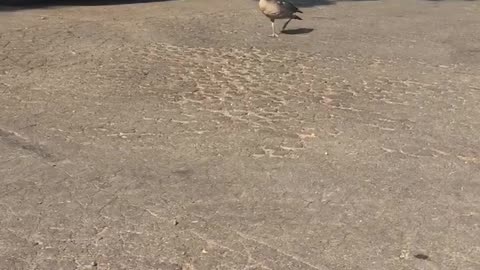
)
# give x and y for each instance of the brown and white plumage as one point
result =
(279, 9)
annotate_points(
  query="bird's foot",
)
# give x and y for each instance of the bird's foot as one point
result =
(274, 35)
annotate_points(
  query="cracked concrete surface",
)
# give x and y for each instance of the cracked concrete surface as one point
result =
(177, 135)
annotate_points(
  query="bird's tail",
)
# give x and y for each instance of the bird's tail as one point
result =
(296, 17)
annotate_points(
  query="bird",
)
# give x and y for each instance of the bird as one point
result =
(279, 9)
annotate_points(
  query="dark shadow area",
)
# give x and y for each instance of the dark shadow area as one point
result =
(298, 31)
(12, 5)
(312, 3)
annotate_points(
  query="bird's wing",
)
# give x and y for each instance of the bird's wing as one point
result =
(291, 7)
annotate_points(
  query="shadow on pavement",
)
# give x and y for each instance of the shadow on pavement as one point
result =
(298, 31)
(12, 5)
(312, 3)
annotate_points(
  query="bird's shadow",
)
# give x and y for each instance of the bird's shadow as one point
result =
(297, 31)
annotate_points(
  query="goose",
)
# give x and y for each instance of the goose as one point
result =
(279, 9)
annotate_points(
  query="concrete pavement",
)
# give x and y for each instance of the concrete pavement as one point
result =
(177, 135)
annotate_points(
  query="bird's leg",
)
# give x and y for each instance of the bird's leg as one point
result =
(285, 25)
(273, 29)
